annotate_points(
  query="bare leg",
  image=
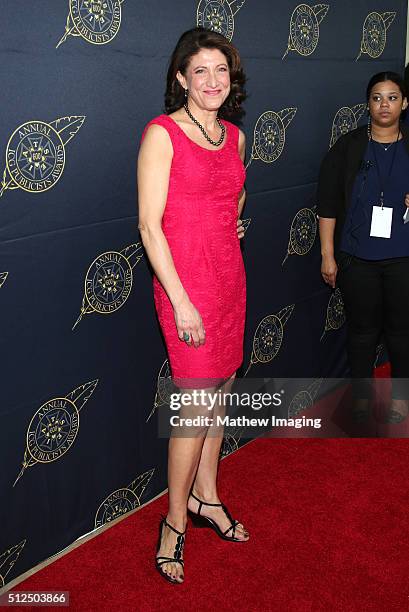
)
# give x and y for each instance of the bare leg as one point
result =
(205, 484)
(183, 459)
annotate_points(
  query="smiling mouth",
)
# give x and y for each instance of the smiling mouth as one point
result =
(213, 93)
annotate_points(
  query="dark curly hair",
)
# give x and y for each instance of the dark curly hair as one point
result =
(187, 46)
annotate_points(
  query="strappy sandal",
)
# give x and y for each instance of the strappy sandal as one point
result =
(204, 521)
(176, 555)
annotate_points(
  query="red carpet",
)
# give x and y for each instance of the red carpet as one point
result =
(329, 531)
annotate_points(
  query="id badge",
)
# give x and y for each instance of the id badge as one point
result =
(381, 225)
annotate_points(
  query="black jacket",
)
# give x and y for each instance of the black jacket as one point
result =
(337, 175)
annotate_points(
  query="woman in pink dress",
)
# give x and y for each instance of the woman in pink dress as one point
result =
(191, 194)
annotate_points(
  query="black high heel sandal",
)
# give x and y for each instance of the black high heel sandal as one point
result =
(361, 411)
(176, 555)
(204, 521)
(394, 417)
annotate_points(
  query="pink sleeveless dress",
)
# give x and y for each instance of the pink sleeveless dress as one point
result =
(200, 225)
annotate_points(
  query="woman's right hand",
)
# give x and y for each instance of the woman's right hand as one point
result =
(329, 270)
(188, 319)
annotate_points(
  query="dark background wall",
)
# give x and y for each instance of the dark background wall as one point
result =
(76, 423)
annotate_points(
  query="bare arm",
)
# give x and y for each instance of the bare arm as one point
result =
(154, 162)
(242, 197)
(329, 267)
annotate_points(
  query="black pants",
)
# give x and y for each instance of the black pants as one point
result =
(376, 299)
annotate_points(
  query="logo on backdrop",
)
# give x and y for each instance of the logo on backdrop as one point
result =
(54, 427)
(218, 15)
(245, 224)
(230, 442)
(269, 135)
(373, 40)
(164, 388)
(303, 400)
(269, 336)
(335, 313)
(108, 281)
(345, 120)
(123, 500)
(305, 28)
(35, 154)
(96, 21)
(8, 559)
(302, 233)
(378, 354)
(3, 276)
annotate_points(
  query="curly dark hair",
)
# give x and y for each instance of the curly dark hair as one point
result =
(187, 46)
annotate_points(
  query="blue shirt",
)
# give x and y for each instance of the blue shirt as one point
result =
(356, 239)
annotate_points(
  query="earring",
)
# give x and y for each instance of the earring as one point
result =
(186, 93)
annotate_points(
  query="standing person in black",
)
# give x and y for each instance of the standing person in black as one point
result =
(363, 196)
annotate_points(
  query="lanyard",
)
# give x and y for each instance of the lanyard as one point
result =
(383, 183)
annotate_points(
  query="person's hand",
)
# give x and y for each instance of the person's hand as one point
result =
(188, 319)
(329, 270)
(240, 228)
(407, 200)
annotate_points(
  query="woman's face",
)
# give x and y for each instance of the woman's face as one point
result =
(386, 103)
(207, 78)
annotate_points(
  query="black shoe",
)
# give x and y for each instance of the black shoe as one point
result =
(360, 411)
(394, 417)
(176, 555)
(203, 521)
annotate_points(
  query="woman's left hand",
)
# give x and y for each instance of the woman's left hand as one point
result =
(407, 200)
(240, 228)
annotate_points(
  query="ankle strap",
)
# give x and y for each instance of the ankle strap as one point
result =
(202, 503)
(173, 528)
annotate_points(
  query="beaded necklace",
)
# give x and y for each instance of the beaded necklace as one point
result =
(215, 143)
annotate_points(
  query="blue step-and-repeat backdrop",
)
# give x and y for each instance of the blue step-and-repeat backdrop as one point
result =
(83, 364)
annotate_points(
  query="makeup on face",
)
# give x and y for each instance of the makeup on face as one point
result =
(208, 78)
